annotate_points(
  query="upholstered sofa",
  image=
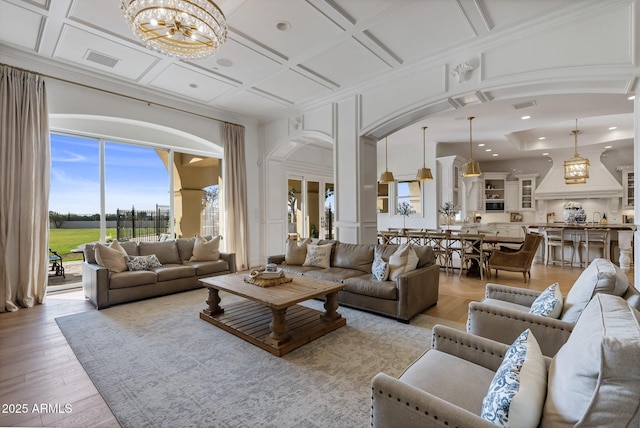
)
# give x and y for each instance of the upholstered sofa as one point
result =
(401, 297)
(504, 313)
(593, 380)
(105, 287)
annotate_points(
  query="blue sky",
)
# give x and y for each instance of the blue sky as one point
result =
(135, 176)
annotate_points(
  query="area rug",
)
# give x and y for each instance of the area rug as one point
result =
(158, 365)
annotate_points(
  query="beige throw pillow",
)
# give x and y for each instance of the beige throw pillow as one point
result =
(318, 255)
(403, 260)
(296, 254)
(204, 250)
(111, 257)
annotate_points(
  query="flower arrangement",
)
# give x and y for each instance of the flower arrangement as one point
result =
(405, 209)
(448, 209)
(572, 205)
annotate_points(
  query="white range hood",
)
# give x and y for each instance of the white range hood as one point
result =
(600, 184)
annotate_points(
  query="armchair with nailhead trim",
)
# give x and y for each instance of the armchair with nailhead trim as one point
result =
(465, 381)
(444, 387)
(504, 312)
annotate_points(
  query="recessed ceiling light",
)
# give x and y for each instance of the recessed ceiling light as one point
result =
(193, 85)
(611, 128)
(607, 147)
(488, 150)
(542, 138)
(495, 154)
(224, 62)
(525, 117)
(481, 145)
(632, 97)
(283, 26)
(545, 154)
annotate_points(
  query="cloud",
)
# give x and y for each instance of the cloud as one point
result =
(68, 157)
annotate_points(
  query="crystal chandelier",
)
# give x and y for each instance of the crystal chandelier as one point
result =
(185, 29)
(471, 168)
(387, 176)
(424, 173)
(576, 169)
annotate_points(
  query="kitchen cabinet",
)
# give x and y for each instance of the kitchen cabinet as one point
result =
(527, 188)
(494, 191)
(628, 187)
(511, 198)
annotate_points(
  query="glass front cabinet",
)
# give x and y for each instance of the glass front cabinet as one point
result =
(628, 187)
(527, 188)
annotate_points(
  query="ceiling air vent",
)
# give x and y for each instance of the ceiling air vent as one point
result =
(101, 59)
(525, 104)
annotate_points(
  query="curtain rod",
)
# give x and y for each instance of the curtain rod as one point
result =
(149, 103)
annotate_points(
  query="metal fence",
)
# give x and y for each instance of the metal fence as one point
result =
(142, 225)
(210, 220)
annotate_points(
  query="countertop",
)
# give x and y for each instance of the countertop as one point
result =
(584, 226)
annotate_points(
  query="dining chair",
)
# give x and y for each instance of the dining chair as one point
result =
(472, 248)
(519, 260)
(439, 242)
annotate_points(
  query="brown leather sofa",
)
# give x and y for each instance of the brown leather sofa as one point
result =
(411, 293)
(104, 288)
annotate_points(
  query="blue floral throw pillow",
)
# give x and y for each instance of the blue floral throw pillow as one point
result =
(518, 389)
(548, 303)
(380, 269)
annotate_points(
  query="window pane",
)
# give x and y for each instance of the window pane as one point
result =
(294, 209)
(329, 211)
(137, 185)
(383, 198)
(409, 192)
(75, 185)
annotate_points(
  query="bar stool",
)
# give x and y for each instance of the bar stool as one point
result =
(554, 238)
(595, 238)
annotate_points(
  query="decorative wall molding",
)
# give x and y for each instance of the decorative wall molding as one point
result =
(462, 72)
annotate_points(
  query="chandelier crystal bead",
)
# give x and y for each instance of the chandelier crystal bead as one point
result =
(192, 29)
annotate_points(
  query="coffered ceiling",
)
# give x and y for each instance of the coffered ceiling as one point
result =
(283, 56)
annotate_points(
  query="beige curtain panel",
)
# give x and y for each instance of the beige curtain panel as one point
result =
(235, 194)
(24, 189)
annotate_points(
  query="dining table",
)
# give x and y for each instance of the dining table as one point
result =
(421, 238)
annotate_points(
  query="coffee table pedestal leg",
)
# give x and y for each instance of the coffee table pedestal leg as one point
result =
(278, 327)
(214, 303)
(330, 306)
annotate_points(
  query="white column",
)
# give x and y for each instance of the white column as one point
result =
(636, 191)
(355, 177)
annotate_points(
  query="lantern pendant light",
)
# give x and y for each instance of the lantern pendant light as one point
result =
(471, 168)
(387, 176)
(424, 173)
(576, 169)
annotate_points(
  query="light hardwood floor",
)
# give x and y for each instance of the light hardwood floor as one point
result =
(37, 366)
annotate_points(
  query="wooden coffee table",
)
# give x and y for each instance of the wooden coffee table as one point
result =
(269, 317)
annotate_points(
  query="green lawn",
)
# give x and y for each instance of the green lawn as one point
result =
(63, 241)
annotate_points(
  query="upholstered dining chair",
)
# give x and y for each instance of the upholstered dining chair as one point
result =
(517, 261)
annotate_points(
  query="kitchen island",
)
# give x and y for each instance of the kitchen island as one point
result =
(620, 233)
